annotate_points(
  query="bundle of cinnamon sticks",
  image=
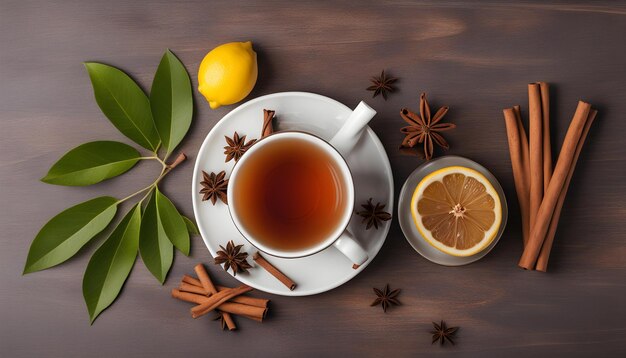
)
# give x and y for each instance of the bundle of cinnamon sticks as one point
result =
(541, 189)
(227, 301)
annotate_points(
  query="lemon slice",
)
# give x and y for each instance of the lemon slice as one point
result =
(457, 210)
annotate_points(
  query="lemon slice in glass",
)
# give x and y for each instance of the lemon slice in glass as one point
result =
(457, 210)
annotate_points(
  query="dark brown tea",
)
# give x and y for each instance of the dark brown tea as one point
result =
(289, 195)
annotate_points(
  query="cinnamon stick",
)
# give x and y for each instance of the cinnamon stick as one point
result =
(188, 296)
(545, 117)
(217, 299)
(544, 255)
(247, 300)
(416, 151)
(535, 125)
(274, 271)
(544, 215)
(192, 280)
(268, 118)
(187, 287)
(204, 279)
(518, 149)
(239, 309)
(209, 288)
(251, 312)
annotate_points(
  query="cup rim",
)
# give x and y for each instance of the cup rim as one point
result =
(348, 181)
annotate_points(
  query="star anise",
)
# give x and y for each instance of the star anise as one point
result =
(386, 297)
(442, 332)
(424, 129)
(214, 186)
(373, 215)
(220, 317)
(233, 257)
(236, 147)
(382, 85)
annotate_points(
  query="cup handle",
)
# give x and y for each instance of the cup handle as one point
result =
(348, 246)
(347, 136)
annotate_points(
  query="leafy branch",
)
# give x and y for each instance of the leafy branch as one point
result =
(154, 228)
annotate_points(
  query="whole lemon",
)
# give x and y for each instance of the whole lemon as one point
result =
(228, 73)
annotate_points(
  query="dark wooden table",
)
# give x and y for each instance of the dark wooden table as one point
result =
(475, 57)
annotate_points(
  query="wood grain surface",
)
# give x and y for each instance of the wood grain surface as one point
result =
(476, 57)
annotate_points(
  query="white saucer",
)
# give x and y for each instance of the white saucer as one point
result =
(405, 218)
(368, 163)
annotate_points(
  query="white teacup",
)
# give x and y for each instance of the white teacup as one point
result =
(338, 147)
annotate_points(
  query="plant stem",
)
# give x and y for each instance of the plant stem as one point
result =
(135, 193)
(181, 158)
(164, 171)
(154, 158)
(148, 193)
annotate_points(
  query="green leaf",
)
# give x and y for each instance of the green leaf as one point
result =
(67, 232)
(124, 104)
(157, 252)
(91, 163)
(111, 264)
(171, 101)
(172, 222)
(191, 226)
